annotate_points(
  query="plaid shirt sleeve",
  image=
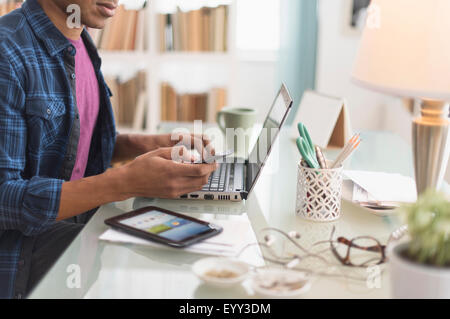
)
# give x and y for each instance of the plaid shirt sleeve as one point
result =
(29, 206)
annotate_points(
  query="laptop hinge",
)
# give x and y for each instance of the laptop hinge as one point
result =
(247, 174)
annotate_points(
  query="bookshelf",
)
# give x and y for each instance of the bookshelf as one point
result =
(156, 64)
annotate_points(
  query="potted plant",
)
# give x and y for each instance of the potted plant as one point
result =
(420, 267)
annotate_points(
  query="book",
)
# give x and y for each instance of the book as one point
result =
(188, 107)
(176, 36)
(204, 29)
(195, 30)
(129, 40)
(168, 103)
(162, 21)
(106, 35)
(172, 104)
(129, 99)
(216, 101)
(116, 29)
(127, 31)
(183, 29)
(95, 34)
(113, 85)
(139, 115)
(6, 6)
(140, 41)
(220, 17)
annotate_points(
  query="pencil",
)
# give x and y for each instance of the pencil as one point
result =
(348, 153)
(347, 147)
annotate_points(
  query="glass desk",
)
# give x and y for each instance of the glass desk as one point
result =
(127, 271)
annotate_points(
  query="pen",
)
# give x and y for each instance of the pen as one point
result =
(321, 158)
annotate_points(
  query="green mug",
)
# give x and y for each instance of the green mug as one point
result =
(241, 120)
(236, 117)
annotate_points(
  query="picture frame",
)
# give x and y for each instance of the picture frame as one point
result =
(354, 17)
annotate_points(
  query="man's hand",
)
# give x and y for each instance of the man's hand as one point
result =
(129, 146)
(153, 174)
(201, 143)
(156, 174)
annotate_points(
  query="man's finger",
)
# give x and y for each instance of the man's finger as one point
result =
(204, 138)
(178, 154)
(200, 142)
(192, 184)
(203, 146)
(195, 170)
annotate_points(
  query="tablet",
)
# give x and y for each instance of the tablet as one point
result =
(164, 226)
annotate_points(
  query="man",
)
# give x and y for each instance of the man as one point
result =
(57, 140)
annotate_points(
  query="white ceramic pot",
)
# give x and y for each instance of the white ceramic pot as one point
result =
(411, 280)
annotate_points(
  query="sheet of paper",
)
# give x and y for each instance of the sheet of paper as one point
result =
(235, 236)
(384, 186)
(361, 195)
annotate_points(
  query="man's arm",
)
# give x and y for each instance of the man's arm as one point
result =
(130, 146)
(154, 174)
(31, 205)
(85, 194)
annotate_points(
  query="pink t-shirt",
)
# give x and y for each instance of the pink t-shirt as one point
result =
(88, 103)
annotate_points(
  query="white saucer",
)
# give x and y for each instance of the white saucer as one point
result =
(202, 267)
(277, 278)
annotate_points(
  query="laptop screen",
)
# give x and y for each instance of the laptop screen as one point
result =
(272, 125)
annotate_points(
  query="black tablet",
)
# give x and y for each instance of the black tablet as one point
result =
(164, 226)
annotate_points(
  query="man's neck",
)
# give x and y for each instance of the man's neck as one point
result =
(59, 19)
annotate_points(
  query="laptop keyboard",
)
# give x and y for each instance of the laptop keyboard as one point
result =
(218, 179)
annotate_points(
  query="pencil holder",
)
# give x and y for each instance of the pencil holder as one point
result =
(319, 193)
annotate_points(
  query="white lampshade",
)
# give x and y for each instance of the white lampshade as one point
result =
(405, 49)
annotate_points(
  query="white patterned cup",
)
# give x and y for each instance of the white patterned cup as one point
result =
(319, 193)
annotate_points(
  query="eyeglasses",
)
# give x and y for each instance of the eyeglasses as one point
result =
(361, 251)
(346, 253)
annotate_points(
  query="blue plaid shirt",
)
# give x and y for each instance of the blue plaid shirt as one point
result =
(38, 114)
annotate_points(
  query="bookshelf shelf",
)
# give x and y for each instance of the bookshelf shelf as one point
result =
(194, 57)
(120, 54)
(129, 130)
(127, 56)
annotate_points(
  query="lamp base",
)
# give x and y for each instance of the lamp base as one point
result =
(431, 144)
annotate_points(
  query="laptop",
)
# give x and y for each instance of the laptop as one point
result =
(234, 181)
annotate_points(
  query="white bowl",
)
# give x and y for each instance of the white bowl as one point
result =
(202, 267)
(280, 280)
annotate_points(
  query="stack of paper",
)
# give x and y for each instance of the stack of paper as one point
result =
(235, 236)
(382, 187)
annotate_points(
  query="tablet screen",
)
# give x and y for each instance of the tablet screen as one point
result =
(165, 225)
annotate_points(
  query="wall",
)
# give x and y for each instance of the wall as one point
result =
(337, 49)
(298, 50)
(255, 86)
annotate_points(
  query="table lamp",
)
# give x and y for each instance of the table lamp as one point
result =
(405, 51)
